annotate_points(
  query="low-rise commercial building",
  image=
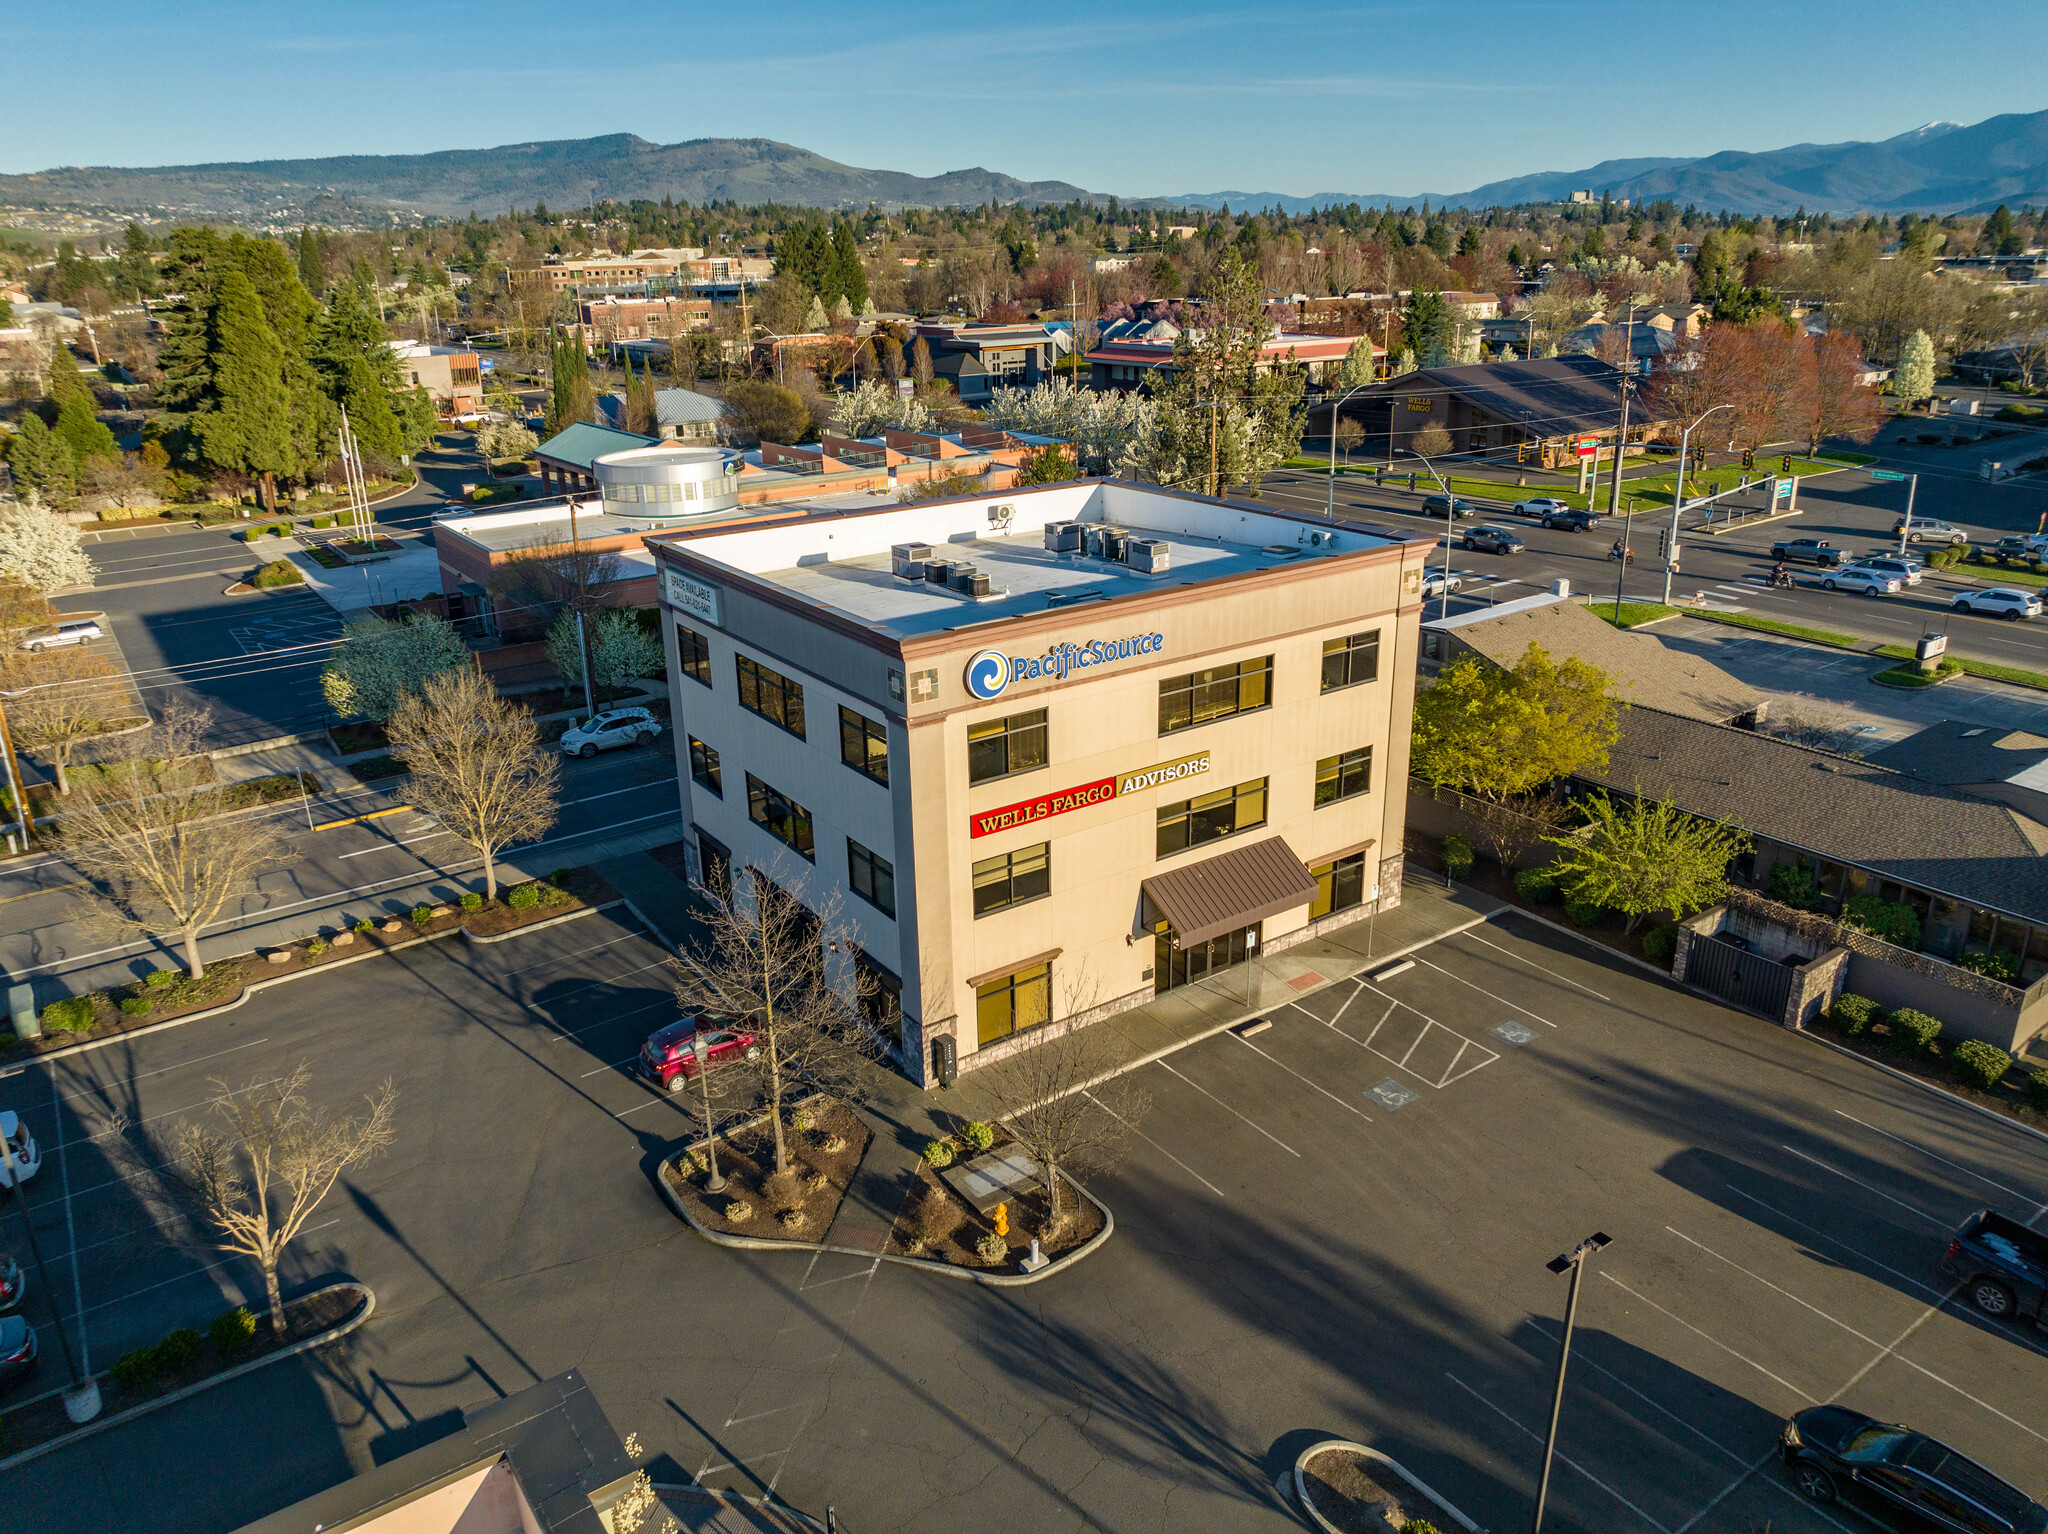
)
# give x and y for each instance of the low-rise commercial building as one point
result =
(612, 319)
(1061, 749)
(1551, 404)
(979, 359)
(1131, 351)
(453, 375)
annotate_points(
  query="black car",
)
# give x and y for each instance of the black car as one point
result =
(1902, 1479)
(1437, 505)
(1572, 520)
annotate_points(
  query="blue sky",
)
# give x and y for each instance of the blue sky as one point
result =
(1136, 99)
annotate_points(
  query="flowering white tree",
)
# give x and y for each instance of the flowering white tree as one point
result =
(1914, 378)
(1104, 427)
(39, 548)
(1358, 365)
(505, 439)
(619, 649)
(868, 407)
(379, 663)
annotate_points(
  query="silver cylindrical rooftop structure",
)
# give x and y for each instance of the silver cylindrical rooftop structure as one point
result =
(670, 483)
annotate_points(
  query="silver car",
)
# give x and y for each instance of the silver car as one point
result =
(616, 727)
(1999, 602)
(1925, 531)
(1871, 583)
(67, 631)
(1906, 572)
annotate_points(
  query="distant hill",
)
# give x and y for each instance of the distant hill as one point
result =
(565, 173)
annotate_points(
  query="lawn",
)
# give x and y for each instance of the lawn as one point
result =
(1998, 575)
(1789, 630)
(1649, 493)
(1990, 671)
(1629, 615)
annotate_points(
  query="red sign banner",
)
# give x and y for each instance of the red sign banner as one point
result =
(1010, 816)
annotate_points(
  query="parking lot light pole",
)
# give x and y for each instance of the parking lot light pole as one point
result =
(713, 1183)
(1330, 509)
(1678, 498)
(1573, 1261)
(1450, 524)
(82, 1395)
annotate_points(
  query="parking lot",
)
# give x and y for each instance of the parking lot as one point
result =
(1334, 1227)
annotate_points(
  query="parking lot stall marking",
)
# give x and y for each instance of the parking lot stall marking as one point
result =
(144, 1076)
(614, 1065)
(1248, 1044)
(196, 1272)
(1909, 1208)
(1566, 979)
(1704, 1337)
(125, 1124)
(1483, 991)
(1548, 1330)
(1390, 1094)
(1957, 1165)
(1169, 1155)
(71, 1236)
(1512, 1033)
(1450, 1071)
(1219, 1102)
(1561, 1455)
(1814, 1230)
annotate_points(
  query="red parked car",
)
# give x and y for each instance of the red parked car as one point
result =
(669, 1058)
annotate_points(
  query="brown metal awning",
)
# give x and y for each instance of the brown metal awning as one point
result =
(1232, 890)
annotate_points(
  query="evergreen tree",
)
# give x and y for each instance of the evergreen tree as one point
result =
(352, 353)
(41, 460)
(1430, 327)
(849, 278)
(248, 426)
(573, 398)
(1358, 365)
(78, 426)
(312, 261)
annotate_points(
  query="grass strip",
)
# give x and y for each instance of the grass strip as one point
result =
(1989, 670)
(1789, 630)
(1913, 676)
(1631, 614)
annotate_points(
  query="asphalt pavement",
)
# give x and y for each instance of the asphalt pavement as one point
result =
(1337, 1227)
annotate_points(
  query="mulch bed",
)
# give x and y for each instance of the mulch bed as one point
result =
(1344, 1489)
(946, 1229)
(1487, 878)
(820, 1176)
(40, 1421)
(1875, 1044)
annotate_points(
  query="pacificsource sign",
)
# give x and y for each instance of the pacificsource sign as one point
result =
(990, 671)
(1101, 791)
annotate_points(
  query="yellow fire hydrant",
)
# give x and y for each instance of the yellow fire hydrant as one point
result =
(1002, 1219)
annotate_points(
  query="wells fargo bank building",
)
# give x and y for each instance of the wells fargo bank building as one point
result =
(1058, 749)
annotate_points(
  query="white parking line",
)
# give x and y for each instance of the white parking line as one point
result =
(1566, 1458)
(1169, 1155)
(1813, 1230)
(1909, 1208)
(1219, 1102)
(611, 1067)
(1248, 1044)
(1744, 1357)
(144, 1076)
(1967, 1172)
(1520, 960)
(224, 1262)
(1483, 991)
(572, 953)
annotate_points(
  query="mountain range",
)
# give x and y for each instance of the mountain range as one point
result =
(1943, 167)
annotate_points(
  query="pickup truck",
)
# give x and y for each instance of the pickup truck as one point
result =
(2002, 1266)
(1813, 550)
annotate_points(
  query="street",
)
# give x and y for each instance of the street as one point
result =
(1336, 1228)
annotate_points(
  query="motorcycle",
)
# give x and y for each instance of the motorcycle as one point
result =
(1782, 579)
(1628, 556)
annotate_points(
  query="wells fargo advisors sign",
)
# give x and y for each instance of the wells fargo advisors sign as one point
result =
(1101, 791)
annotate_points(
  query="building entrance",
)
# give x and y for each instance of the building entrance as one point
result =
(1174, 965)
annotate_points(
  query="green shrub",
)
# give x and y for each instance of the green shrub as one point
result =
(1457, 855)
(161, 979)
(1792, 885)
(316, 947)
(232, 1330)
(1897, 924)
(738, 1210)
(991, 1248)
(1660, 943)
(279, 572)
(560, 877)
(1977, 1064)
(1853, 1014)
(803, 1121)
(422, 914)
(979, 1134)
(179, 1349)
(1912, 1033)
(1538, 886)
(472, 901)
(136, 1006)
(1998, 965)
(2036, 1089)
(67, 1014)
(939, 1153)
(323, 521)
(1584, 913)
(364, 925)
(136, 1367)
(524, 898)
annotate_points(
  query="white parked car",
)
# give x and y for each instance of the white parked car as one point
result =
(65, 631)
(1999, 602)
(1871, 583)
(616, 727)
(28, 1160)
(1540, 506)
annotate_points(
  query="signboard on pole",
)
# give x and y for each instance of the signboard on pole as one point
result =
(1887, 474)
(1782, 490)
(1588, 446)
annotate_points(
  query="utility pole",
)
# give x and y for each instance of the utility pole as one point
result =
(1620, 446)
(14, 784)
(582, 630)
(82, 1395)
(1573, 1262)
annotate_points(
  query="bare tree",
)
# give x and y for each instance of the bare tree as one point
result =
(547, 578)
(1822, 725)
(1068, 1103)
(764, 964)
(258, 1183)
(478, 765)
(57, 700)
(160, 844)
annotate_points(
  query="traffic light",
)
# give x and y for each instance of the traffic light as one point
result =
(1521, 452)
(1663, 542)
(1785, 464)
(1749, 458)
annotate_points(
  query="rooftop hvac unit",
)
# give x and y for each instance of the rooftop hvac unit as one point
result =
(971, 583)
(962, 574)
(1106, 542)
(1001, 516)
(907, 560)
(1065, 537)
(1150, 556)
(938, 572)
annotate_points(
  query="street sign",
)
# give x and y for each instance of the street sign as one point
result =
(1887, 474)
(1783, 490)
(1588, 446)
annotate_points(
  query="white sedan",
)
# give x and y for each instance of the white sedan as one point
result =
(1871, 583)
(1540, 506)
(1999, 602)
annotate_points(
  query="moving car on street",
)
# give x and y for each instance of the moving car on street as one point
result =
(1437, 584)
(669, 1058)
(1437, 505)
(2002, 1266)
(1871, 583)
(1999, 602)
(619, 727)
(1901, 1479)
(1540, 506)
(1572, 521)
(1814, 551)
(1908, 571)
(1492, 540)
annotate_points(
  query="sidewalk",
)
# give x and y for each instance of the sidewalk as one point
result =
(412, 571)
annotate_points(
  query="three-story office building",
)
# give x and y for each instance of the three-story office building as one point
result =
(1054, 751)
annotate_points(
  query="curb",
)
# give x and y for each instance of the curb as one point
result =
(947, 1270)
(332, 1334)
(1301, 1489)
(552, 921)
(1925, 1086)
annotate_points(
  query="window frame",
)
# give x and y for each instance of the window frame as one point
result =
(766, 679)
(1193, 684)
(1340, 769)
(693, 656)
(1010, 729)
(879, 870)
(872, 733)
(708, 774)
(1006, 986)
(1327, 876)
(760, 811)
(1348, 649)
(1184, 812)
(1009, 860)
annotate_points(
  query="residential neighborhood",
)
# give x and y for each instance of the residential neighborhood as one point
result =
(581, 941)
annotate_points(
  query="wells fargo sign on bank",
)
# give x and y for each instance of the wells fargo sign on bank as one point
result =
(1102, 790)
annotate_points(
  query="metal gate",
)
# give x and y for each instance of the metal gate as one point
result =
(1751, 982)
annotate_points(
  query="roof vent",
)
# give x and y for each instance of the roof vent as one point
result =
(1970, 734)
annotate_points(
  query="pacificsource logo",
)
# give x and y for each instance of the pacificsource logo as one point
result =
(988, 673)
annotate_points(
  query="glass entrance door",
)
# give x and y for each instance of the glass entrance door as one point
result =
(1174, 965)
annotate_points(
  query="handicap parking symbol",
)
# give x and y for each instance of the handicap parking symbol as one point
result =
(1513, 1033)
(1391, 1094)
